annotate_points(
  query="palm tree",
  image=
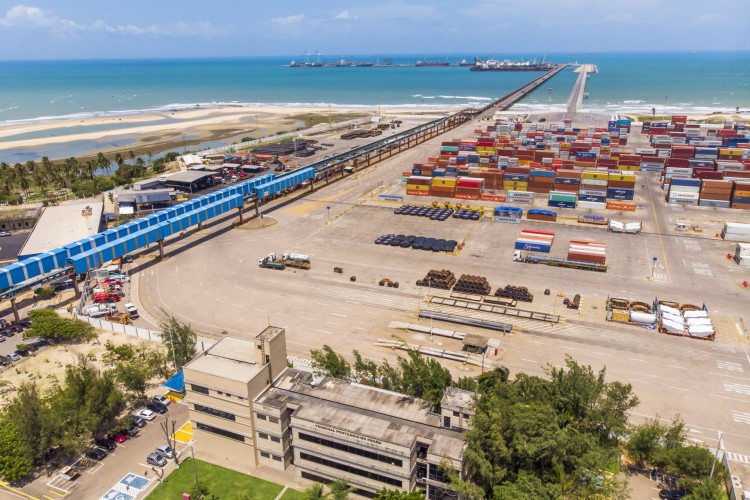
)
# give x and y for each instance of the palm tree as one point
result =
(40, 179)
(31, 166)
(89, 169)
(315, 492)
(150, 156)
(131, 155)
(119, 159)
(103, 162)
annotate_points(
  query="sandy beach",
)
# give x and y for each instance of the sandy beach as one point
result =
(161, 129)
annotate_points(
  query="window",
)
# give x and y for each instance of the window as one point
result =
(262, 435)
(273, 420)
(199, 388)
(275, 439)
(220, 432)
(466, 415)
(277, 458)
(351, 449)
(455, 414)
(352, 470)
(214, 412)
(260, 416)
(265, 454)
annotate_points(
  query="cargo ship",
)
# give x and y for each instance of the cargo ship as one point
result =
(343, 63)
(508, 65)
(425, 63)
(464, 62)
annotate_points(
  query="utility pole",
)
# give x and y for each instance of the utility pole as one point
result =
(198, 493)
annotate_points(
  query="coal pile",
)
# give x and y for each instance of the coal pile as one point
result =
(467, 214)
(469, 283)
(520, 293)
(281, 149)
(443, 279)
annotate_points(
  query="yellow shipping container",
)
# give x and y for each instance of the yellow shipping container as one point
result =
(515, 185)
(634, 168)
(624, 177)
(601, 176)
(730, 151)
(485, 154)
(742, 194)
(417, 187)
(620, 315)
(443, 181)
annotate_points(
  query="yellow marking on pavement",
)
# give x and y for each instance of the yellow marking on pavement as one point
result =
(8, 487)
(49, 498)
(658, 233)
(185, 433)
(61, 495)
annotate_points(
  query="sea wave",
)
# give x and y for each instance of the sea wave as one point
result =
(643, 108)
(467, 97)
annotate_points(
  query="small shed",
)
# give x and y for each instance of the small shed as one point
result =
(475, 343)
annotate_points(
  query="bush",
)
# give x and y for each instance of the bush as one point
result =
(47, 324)
(44, 293)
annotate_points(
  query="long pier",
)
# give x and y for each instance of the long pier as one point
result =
(576, 96)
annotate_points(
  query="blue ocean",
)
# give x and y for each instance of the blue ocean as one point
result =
(671, 82)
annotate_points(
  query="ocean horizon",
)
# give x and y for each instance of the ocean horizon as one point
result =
(634, 82)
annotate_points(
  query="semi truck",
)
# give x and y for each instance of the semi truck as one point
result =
(288, 259)
(552, 261)
(270, 262)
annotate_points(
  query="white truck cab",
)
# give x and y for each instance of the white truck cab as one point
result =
(131, 310)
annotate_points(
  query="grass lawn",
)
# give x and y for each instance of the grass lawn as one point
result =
(291, 494)
(217, 482)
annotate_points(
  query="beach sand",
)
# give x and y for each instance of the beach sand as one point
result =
(162, 131)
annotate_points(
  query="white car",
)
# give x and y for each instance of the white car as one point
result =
(146, 414)
(161, 399)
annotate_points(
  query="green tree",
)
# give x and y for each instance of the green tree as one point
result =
(14, 462)
(644, 442)
(386, 494)
(315, 492)
(47, 324)
(134, 375)
(706, 489)
(179, 339)
(33, 421)
(423, 378)
(328, 362)
(340, 489)
(365, 370)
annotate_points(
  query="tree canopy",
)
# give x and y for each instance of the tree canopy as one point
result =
(180, 339)
(47, 324)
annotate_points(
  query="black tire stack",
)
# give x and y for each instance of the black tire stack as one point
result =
(519, 293)
(443, 279)
(468, 283)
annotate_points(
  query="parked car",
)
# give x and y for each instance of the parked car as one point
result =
(40, 343)
(138, 421)
(4, 233)
(145, 414)
(5, 360)
(14, 357)
(95, 454)
(22, 352)
(105, 444)
(119, 436)
(165, 451)
(132, 430)
(156, 407)
(161, 399)
(154, 459)
(2, 338)
(128, 259)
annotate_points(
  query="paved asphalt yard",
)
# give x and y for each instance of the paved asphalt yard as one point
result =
(212, 280)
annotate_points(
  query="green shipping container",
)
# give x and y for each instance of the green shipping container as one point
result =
(562, 197)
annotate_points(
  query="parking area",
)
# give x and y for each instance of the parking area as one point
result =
(122, 474)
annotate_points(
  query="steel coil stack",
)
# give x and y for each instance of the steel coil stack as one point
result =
(519, 293)
(443, 279)
(468, 283)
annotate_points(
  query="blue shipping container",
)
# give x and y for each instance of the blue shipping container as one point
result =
(596, 199)
(561, 204)
(532, 247)
(566, 180)
(686, 182)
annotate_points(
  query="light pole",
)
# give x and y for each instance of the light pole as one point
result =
(328, 207)
(429, 285)
(198, 494)
(653, 266)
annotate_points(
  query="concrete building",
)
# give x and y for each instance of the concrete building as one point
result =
(246, 404)
(21, 217)
(189, 180)
(130, 202)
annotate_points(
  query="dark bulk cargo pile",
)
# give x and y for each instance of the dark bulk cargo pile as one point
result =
(360, 132)
(468, 283)
(417, 242)
(520, 293)
(443, 279)
(283, 149)
(468, 214)
(433, 213)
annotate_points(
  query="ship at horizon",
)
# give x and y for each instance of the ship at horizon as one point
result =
(508, 65)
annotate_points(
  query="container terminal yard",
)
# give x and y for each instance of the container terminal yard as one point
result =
(666, 314)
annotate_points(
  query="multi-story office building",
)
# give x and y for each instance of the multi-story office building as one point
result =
(325, 428)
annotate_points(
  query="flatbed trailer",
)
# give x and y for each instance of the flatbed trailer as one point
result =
(572, 264)
(297, 264)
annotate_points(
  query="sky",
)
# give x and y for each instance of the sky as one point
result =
(86, 29)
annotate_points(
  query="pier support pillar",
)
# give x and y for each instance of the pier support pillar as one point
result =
(161, 249)
(200, 226)
(242, 217)
(257, 212)
(312, 185)
(15, 309)
(76, 289)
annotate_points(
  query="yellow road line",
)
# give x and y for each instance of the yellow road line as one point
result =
(49, 498)
(658, 233)
(16, 491)
(58, 494)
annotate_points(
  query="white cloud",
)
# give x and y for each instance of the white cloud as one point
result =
(288, 19)
(23, 16)
(344, 15)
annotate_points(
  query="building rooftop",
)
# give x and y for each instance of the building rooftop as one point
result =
(63, 224)
(191, 159)
(364, 410)
(187, 176)
(458, 398)
(151, 196)
(229, 358)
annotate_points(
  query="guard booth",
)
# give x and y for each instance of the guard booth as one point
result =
(474, 343)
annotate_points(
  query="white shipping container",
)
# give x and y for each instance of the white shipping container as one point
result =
(736, 228)
(593, 182)
(742, 250)
(743, 261)
(682, 201)
(684, 191)
(592, 205)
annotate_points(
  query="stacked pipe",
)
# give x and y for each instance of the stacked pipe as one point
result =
(520, 293)
(468, 283)
(442, 279)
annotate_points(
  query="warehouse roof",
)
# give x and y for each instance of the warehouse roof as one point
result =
(230, 358)
(62, 224)
(151, 196)
(188, 176)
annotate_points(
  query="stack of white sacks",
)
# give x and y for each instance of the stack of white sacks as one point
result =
(694, 323)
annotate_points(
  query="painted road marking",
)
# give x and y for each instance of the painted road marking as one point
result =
(739, 416)
(725, 348)
(736, 457)
(729, 365)
(739, 388)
